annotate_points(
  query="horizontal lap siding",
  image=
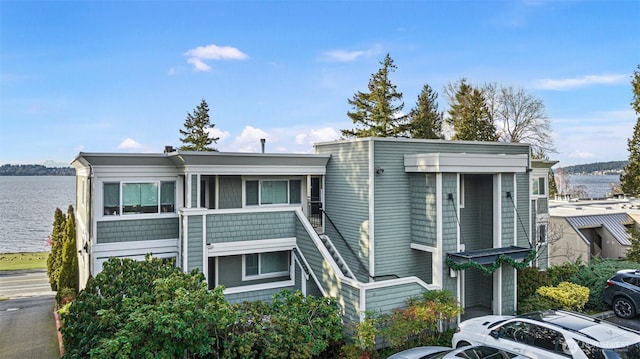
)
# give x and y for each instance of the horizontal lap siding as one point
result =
(194, 243)
(346, 202)
(235, 227)
(384, 300)
(137, 230)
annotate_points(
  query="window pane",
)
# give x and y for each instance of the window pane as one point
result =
(534, 189)
(131, 197)
(140, 197)
(274, 192)
(111, 198)
(251, 193)
(541, 186)
(274, 262)
(251, 264)
(167, 196)
(294, 191)
(149, 196)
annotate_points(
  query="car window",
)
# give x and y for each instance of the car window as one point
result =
(591, 351)
(628, 352)
(549, 339)
(517, 331)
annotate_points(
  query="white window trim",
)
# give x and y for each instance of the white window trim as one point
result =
(274, 179)
(121, 215)
(246, 277)
(461, 190)
(546, 187)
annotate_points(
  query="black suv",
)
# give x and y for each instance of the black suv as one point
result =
(623, 293)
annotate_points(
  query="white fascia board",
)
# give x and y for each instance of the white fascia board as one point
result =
(135, 171)
(255, 170)
(466, 163)
(424, 248)
(254, 209)
(256, 287)
(248, 247)
(120, 249)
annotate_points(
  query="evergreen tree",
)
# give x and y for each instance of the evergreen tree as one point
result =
(469, 115)
(633, 254)
(378, 112)
(195, 134)
(553, 187)
(630, 180)
(69, 275)
(425, 121)
(54, 261)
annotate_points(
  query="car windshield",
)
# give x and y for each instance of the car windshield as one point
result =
(629, 352)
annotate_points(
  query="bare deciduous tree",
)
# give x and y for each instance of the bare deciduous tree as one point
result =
(519, 117)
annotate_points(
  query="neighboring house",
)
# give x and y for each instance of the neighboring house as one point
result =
(370, 221)
(582, 230)
(540, 210)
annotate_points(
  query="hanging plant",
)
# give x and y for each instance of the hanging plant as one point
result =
(489, 269)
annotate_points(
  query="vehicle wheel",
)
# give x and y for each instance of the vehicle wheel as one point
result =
(462, 344)
(623, 308)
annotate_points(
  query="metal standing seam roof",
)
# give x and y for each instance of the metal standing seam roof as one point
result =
(614, 223)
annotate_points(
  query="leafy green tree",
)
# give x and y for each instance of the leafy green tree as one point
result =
(377, 113)
(469, 114)
(633, 254)
(69, 275)
(54, 261)
(630, 180)
(425, 121)
(196, 136)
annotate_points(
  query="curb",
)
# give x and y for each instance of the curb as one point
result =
(59, 333)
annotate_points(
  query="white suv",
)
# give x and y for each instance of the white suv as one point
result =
(551, 334)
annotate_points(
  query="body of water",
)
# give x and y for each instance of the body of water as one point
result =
(596, 186)
(27, 205)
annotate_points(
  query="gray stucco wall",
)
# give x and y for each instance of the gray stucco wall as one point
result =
(137, 230)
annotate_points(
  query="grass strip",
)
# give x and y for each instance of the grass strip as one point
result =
(17, 261)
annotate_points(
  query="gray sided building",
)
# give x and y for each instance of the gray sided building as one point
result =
(371, 221)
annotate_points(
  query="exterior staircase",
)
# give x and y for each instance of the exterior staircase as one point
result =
(336, 256)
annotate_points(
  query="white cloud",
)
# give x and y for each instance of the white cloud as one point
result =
(582, 155)
(171, 72)
(129, 144)
(587, 80)
(349, 56)
(214, 132)
(312, 136)
(212, 52)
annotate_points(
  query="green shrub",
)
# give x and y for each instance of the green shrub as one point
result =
(595, 276)
(54, 261)
(568, 296)
(529, 280)
(564, 272)
(536, 303)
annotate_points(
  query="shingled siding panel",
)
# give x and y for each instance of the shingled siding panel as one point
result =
(346, 202)
(265, 295)
(233, 227)
(523, 227)
(508, 213)
(418, 195)
(195, 201)
(432, 210)
(449, 227)
(508, 292)
(194, 243)
(137, 230)
(230, 192)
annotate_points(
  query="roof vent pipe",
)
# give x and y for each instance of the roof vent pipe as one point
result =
(262, 141)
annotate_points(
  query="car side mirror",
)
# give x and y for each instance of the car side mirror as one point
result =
(495, 334)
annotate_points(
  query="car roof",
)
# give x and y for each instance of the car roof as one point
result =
(629, 271)
(594, 329)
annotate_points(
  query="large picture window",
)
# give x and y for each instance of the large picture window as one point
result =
(138, 198)
(266, 265)
(267, 192)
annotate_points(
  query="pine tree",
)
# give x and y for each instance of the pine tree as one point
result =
(377, 113)
(195, 134)
(553, 187)
(425, 121)
(630, 180)
(69, 275)
(469, 115)
(54, 261)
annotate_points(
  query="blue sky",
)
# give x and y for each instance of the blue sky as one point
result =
(120, 76)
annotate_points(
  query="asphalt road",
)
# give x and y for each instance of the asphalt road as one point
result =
(633, 323)
(27, 323)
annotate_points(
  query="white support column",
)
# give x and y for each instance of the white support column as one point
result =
(437, 258)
